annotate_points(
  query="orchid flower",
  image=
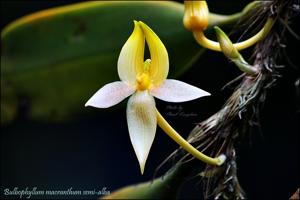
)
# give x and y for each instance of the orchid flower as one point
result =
(142, 81)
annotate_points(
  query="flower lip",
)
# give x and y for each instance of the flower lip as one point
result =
(143, 81)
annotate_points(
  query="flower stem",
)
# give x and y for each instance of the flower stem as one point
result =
(187, 146)
(221, 20)
(210, 44)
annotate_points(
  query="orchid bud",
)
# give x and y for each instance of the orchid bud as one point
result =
(232, 53)
(195, 15)
(226, 45)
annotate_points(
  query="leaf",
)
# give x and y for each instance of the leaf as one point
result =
(57, 58)
(165, 187)
(8, 103)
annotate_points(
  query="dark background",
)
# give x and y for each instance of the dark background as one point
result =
(95, 151)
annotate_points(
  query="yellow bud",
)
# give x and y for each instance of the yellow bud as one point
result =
(195, 15)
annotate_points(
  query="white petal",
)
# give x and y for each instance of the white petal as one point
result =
(131, 58)
(141, 119)
(177, 91)
(110, 94)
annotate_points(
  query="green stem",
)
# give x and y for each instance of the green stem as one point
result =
(245, 67)
(185, 145)
(218, 19)
(215, 46)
